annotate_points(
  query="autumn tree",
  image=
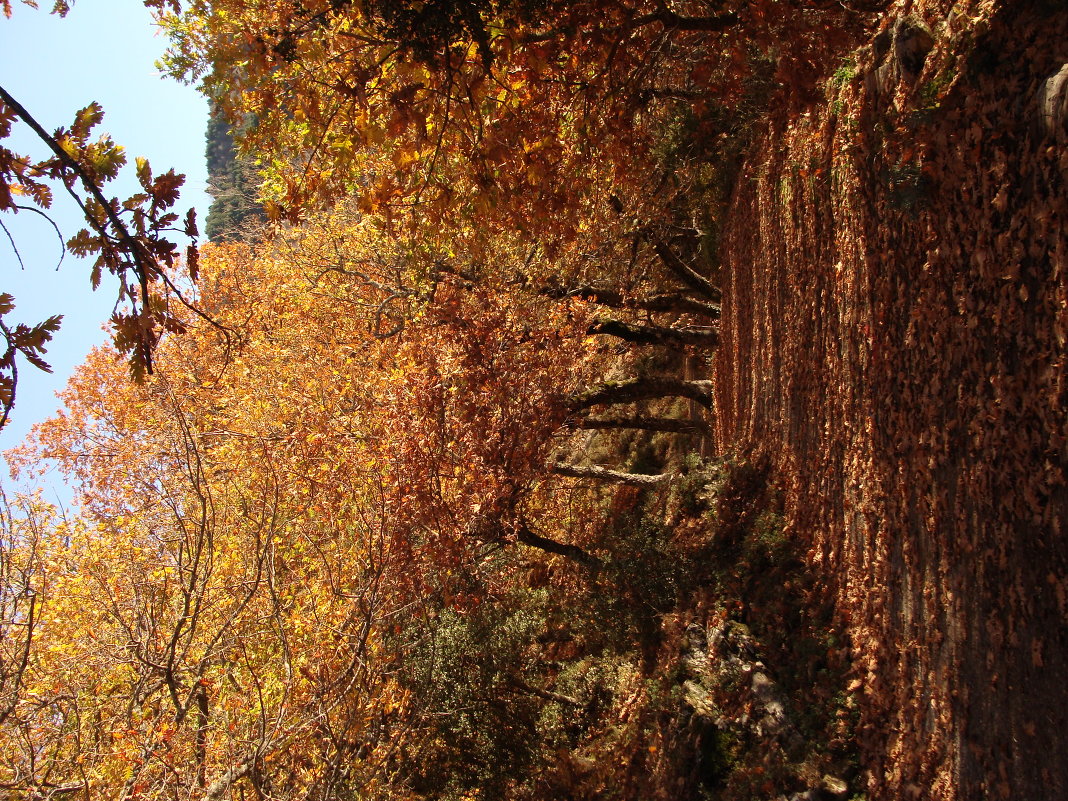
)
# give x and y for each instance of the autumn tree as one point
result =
(217, 620)
(293, 533)
(21, 530)
(511, 118)
(253, 533)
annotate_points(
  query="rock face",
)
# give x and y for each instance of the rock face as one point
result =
(899, 53)
(894, 340)
(1052, 103)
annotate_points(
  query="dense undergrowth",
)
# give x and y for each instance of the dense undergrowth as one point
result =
(645, 701)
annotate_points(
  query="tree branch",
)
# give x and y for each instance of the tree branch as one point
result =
(668, 424)
(676, 22)
(685, 273)
(519, 684)
(637, 389)
(599, 473)
(568, 551)
(672, 302)
(656, 335)
(144, 265)
(219, 788)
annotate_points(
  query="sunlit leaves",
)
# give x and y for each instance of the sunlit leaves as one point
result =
(303, 513)
(130, 239)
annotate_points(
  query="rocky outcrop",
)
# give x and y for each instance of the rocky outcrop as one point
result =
(729, 689)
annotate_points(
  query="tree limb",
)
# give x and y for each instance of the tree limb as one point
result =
(568, 551)
(143, 263)
(611, 476)
(519, 684)
(668, 424)
(685, 273)
(672, 302)
(637, 389)
(218, 788)
(656, 334)
(677, 22)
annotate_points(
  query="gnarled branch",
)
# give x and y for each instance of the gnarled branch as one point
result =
(657, 334)
(599, 473)
(636, 389)
(667, 424)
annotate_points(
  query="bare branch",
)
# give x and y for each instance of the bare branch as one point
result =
(667, 424)
(637, 389)
(656, 334)
(599, 473)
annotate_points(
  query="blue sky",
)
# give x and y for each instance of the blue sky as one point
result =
(104, 50)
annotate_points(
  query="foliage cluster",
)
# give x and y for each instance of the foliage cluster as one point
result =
(892, 343)
(130, 239)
